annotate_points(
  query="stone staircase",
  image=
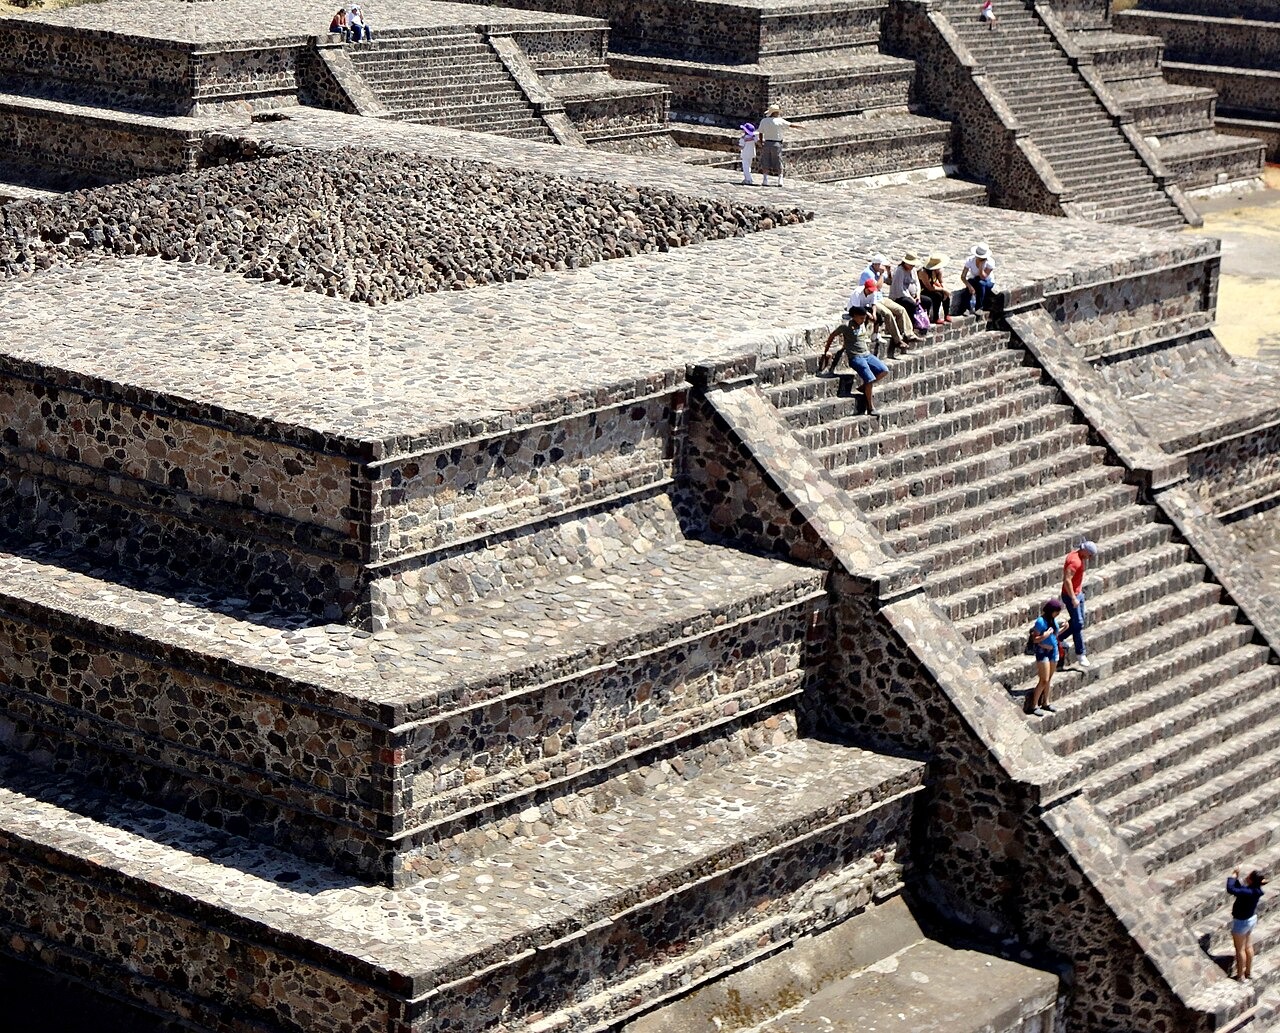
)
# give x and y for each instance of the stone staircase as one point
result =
(447, 77)
(975, 469)
(560, 780)
(1105, 179)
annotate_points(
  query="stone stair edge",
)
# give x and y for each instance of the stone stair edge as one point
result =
(841, 793)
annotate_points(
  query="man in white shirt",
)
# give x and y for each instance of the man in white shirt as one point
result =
(979, 275)
(904, 287)
(770, 134)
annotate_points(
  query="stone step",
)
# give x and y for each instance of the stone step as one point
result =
(904, 416)
(1206, 158)
(1088, 714)
(392, 80)
(993, 407)
(516, 698)
(1255, 842)
(1129, 528)
(1209, 778)
(897, 490)
(1015, 601)
(926, 512)
(814, 400)
(1011, 668)
(759, 852)
(935, 463)
(466, 99)
(1254, 724)
(988, 629)
(1206, 898)
(1034, 519)
(1106, 766)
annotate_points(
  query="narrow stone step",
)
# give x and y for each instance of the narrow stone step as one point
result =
(957, 457)
(1210, 777)
(1148, 582)
(991, 629)
(1254, 842)
(1056, 521)
(991, 407)
(1254, 723)
(989, 525)
(903, 415)
(1127, 529)
(925, 511)
(814, 400)
(1096, 710)
(738, 858)
(1132, 631)
(1107, 766)
(986, 461)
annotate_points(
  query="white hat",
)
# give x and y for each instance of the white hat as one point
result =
(981, 251)
(879, 260)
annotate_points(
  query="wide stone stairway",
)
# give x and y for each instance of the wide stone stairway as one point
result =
(1105, 178)
(447, 77)
(975, 468)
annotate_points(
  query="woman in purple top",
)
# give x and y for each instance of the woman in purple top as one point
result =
(1244, 916)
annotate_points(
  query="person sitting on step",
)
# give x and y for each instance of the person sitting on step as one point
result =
(338, 25)
(355, 19)
(889, 314)
(855, 347)
(904, 290)
(979, 275)
(933, 292)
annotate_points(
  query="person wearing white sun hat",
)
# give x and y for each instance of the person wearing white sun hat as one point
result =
(979, 274)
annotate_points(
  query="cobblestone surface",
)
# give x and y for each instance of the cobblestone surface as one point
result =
(245, 21)
(296, 358)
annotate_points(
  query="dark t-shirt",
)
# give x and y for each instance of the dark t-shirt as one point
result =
(1246, 897)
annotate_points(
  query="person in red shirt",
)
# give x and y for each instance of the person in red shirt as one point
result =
(1073, 594)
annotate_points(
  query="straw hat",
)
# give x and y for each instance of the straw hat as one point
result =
(935, 262)
(774, 109)
(910, 258)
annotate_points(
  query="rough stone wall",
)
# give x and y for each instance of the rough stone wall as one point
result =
(1082, 14)
(99, 149)
(1227, 474)
(98, 67)
(990, 144)
(552, 49)
(1239, 92)
(1227, 42)
(244, 80)
(599, 117)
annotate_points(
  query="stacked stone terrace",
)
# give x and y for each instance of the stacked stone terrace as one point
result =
(1227, 47)
(86, 102)
(588, 738)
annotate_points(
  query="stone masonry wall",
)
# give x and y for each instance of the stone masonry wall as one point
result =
(1227, 473)
(99, 149)
(98, 67)
(560, 49)
(1237, 44)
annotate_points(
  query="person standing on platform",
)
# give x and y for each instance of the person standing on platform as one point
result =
(770, 133)
(747, 148)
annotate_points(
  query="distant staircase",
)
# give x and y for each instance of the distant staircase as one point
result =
(447, 77)
(976, 470)
(1105, 177)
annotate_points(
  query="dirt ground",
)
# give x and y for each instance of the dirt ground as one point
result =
(1249, 288)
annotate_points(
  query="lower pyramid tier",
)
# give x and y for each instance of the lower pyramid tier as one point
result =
(565, 933)
(387, 754)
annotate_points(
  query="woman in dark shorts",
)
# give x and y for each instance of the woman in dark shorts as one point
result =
(1244, 916)
(1044, 638)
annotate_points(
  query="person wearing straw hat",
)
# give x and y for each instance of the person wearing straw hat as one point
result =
(889, 314)
(904, 289)
(747, 148)
(933, 292)
(770, 133)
